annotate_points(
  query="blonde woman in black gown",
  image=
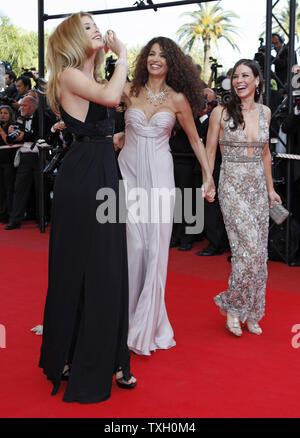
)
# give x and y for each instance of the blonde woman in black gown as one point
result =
(245, 193)
(86, 313)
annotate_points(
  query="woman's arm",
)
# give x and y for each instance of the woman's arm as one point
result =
(213, 134)
(77, 83)
(267, 162)
(186, 120)
(3, 134)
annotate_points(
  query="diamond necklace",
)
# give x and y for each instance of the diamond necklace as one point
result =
(158, 98)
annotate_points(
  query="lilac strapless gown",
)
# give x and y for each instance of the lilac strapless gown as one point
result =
(146, 163)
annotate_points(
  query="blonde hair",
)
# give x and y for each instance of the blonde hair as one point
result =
(68, 46)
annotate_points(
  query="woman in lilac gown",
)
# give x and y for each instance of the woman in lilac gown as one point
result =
(166, 87)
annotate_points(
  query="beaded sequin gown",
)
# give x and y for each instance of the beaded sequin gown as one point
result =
(146, 163)
(244, 204)
(86, 311)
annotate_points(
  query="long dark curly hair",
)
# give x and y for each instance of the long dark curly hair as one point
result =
(183, 75)
(233, 105)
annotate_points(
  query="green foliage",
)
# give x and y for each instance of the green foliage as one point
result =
(283, 17)
(17, 46)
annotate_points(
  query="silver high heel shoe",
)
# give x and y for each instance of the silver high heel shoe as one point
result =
(233, 325)
(253, 328)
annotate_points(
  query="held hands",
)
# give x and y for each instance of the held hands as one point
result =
(119, 140)
(273, 196)
(59, 126)
(209, 190)
(114, 44)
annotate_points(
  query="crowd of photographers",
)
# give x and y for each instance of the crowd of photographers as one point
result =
(20, 163)
(20, 167)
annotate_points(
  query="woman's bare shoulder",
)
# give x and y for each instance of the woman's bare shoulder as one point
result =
(267, 111)
(71, 74)
(218, 113)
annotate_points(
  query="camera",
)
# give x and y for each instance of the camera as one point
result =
(110, 64)
(10, 138)
(214, 64)
(224, 90)
(260, 55)
(7, 66)
(18, 128)
(296, 99)
(29, 72)
(222, 84)
(5, 100)
(58, 152)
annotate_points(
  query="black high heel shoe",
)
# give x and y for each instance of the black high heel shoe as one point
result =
(122, 382)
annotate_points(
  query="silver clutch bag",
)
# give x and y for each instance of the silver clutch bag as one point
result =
(278, 213)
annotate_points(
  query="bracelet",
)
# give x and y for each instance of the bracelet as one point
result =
(122, 61)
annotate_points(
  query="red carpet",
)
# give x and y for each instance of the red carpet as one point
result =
(209, 373)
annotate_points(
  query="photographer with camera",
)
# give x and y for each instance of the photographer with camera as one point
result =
(28, 168)
(280, 61)
(60, 139)
(23, 85)
(7, 171)
(10, 81)
(10, 93)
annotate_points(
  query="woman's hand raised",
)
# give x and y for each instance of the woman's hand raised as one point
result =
(115, 45)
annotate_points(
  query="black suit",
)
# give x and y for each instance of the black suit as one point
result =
(28, 171)
(214, 227)
(281, 65)
(291, 126)
(7, 179)
(184, 163)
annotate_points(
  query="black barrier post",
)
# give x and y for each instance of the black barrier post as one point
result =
(268, 53)
(41, 110)
(291, 60)
(268, 74)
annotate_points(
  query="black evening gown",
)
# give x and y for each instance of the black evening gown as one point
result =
(86, 310)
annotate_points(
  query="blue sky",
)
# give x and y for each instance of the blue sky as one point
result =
(139, 27)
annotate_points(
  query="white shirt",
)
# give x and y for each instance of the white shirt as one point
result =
(203, 118)
(27, 144)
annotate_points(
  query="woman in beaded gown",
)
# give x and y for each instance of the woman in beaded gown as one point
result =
(86, 312)
(146, 163)
(245, 190)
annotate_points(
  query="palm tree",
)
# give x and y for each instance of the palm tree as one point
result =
(284, 19)
(209, 24)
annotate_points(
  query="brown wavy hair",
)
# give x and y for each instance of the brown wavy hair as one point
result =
(183, 75)
(234, 104)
